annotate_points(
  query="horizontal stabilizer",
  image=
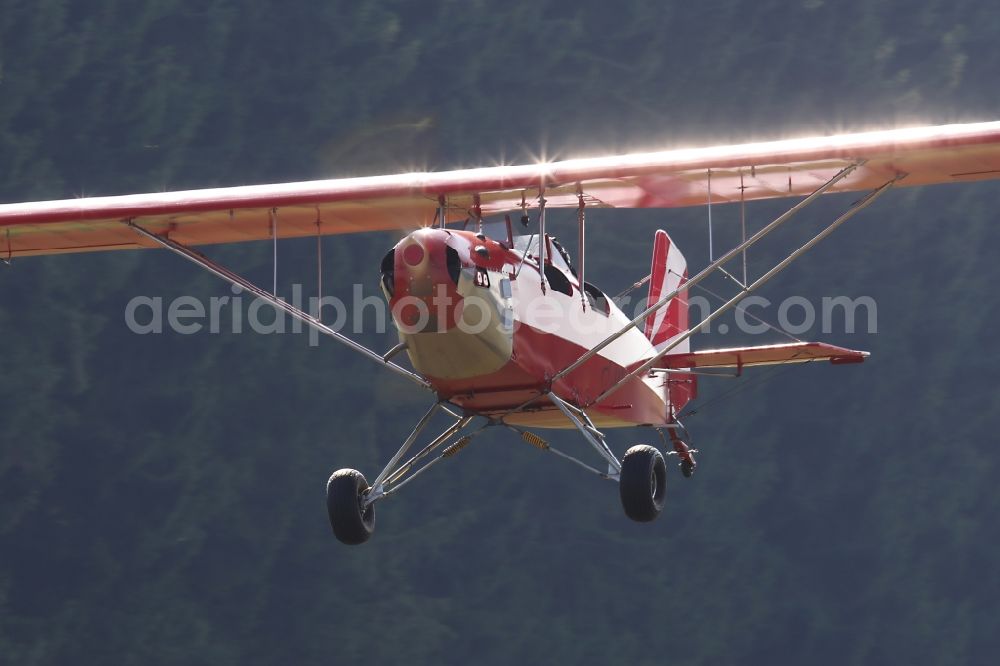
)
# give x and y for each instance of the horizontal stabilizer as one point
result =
(745, 357)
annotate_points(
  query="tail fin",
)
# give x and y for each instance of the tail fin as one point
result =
(668, 272)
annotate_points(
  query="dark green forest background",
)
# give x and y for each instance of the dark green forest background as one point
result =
(161, 497)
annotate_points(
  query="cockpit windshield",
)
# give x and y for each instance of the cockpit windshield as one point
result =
(497, 230)
(526, 244)
(529, 243)
(559, 257)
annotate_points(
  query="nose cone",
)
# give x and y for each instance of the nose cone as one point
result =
(416, 257)
(425, 295)
(414, 254)
(452, 321)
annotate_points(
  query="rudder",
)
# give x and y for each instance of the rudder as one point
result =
(667, 273)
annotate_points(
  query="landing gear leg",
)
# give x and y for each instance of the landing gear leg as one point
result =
(641, 473)
(350, 500)
(684, 452)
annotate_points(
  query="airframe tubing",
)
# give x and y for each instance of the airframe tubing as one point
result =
(581, 244)
(431, 463)
(229, 276)
(450, 432)
(705, 272)
(635, 286)
(603, 475)
(377, 483)
(395, 479)
(542, 241)
(598, 443)
(551, 449)
(860, 205)
(843, 173)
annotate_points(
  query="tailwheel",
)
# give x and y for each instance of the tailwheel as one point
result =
(686, 454)
(643, 483)
(352, 522)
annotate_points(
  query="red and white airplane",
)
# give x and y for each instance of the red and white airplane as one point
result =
(497, 322)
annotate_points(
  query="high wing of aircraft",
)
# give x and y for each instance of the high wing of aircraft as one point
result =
(674, 178)
(464, 285)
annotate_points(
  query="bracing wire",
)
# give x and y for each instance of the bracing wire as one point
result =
(319, 269)
(743, 224)
(767, 376)
(777, 371)
(711, 249)
(274, 238)
(747, 313)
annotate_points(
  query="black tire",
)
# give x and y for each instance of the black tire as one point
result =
(643, 483)
(344, 493)
(687, 468)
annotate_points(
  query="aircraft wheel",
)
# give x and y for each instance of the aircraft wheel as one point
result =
(351, 523)
(643, 483)
(687, 468)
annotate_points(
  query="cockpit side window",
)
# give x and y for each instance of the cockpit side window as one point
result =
(598, 301)
(561, 257)
(558, 280)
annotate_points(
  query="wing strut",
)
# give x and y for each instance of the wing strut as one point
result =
(858, 206)
(581, 219)
(743, 226)
(711, 248)
(594, 437)
(708, 270)
(263, 294)
(442, 212)
(274, 243)
(319, 264)
(542, 240)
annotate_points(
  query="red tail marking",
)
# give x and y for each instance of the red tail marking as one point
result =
(667, 273)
